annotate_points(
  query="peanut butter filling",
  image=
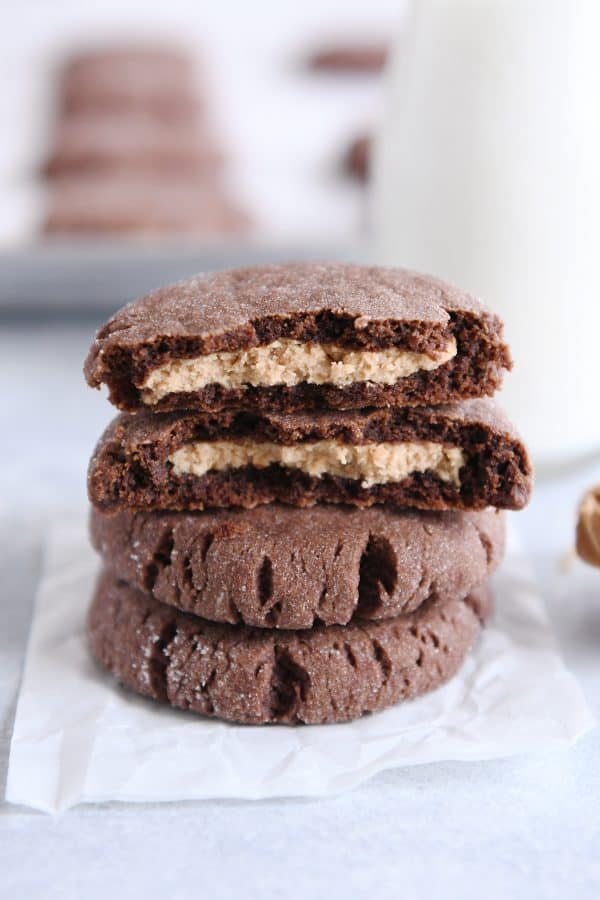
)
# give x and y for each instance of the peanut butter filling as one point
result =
(289, 362)
(370, 463)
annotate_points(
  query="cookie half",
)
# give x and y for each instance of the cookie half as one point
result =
(296, 337)
(257, 676)
(461, 456)
(349, 58)
(281, 567)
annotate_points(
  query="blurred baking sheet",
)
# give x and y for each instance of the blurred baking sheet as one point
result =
(87, 276)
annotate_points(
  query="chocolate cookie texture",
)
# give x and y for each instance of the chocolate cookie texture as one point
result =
(257, 676)
(460, 456)
(281, 567)
(298, 337)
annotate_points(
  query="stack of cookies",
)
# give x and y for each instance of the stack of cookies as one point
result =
(134, 149)
(298, 508)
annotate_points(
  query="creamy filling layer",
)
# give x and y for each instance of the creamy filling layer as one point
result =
(289, 362)
(370, 463)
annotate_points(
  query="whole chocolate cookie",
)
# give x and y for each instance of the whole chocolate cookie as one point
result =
(281, 567)
(460, 456)
(257, 676)
(296, 337)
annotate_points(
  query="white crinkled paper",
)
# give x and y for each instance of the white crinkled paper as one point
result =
(78, 737)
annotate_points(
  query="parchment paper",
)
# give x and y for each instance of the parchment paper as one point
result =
(78, 737)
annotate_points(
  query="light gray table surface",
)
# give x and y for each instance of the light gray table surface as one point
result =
(527, 827)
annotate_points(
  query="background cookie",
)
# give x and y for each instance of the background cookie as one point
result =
(460, 456)
(299, 336)
(281, 567)
(357, 158)
(131, 144)
(160, 80)
(258, 676)
(350, 58)
(115, 204)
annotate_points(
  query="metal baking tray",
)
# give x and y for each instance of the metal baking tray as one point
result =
(73, 277)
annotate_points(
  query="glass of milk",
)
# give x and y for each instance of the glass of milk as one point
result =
(487, 174)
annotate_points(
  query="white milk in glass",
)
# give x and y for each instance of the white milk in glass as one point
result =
(487, 174)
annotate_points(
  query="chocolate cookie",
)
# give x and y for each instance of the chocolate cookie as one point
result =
(257, 676)
(356, 161)
(131, 144)
(350, 58)
(460, 456)
(158, 80)
(281, 567)
(296, 337)
(114, 204)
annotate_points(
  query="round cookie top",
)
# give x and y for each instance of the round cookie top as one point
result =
(286, 568)
(207, 308)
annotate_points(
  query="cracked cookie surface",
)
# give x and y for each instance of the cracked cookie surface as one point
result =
(256, 676)
(287, 568)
